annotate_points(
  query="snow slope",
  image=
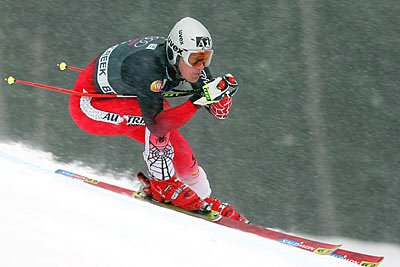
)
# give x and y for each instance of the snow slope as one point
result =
(50, 220)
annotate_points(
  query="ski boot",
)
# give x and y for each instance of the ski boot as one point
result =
(173, 191)
(225, 209)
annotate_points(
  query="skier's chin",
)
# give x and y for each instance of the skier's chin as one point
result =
(193, 78)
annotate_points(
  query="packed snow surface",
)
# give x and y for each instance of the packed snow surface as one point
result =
(51, 220)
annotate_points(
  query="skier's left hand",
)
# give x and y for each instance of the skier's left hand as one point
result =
(221, 108)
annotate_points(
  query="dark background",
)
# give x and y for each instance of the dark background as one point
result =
(312, 141)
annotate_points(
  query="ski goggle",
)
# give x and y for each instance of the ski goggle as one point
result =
(197, 58)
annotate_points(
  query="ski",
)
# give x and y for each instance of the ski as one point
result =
(306, 244)
(288, 239)
(357, 258)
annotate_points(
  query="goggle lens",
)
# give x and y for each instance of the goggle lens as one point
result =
(198, 58)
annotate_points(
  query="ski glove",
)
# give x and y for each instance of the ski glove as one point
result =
(221, 108)
(232, 84)
(215, 90)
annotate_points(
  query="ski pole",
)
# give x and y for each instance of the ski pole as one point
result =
(12, 80)
(64, 66)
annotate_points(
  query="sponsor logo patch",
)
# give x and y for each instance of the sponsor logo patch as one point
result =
(134, 120)
(151, 46)
(369, 264)
(102, 71)
(92, 181)
(108, 117)
(156, 86)
(175, 47)
(324, 251)
(181, 37)
(289, 242)
(203, 42)
(337, 255)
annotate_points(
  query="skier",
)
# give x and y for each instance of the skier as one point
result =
(151, 68)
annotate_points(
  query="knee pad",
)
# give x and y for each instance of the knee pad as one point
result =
(198, 183)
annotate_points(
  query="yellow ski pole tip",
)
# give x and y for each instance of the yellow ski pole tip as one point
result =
(62, 65)
(10, 80)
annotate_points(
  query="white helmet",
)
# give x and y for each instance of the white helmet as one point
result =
(190, 40)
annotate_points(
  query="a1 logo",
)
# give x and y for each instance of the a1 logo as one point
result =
(203, 42)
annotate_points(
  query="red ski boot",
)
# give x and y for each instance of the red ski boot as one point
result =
(225, 209)
(174, 191)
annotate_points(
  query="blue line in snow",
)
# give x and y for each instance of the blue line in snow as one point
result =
(23, 162)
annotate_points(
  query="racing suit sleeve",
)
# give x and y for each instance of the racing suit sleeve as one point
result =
(140, 70)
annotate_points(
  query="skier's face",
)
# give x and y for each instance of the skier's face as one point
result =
(189, 73)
